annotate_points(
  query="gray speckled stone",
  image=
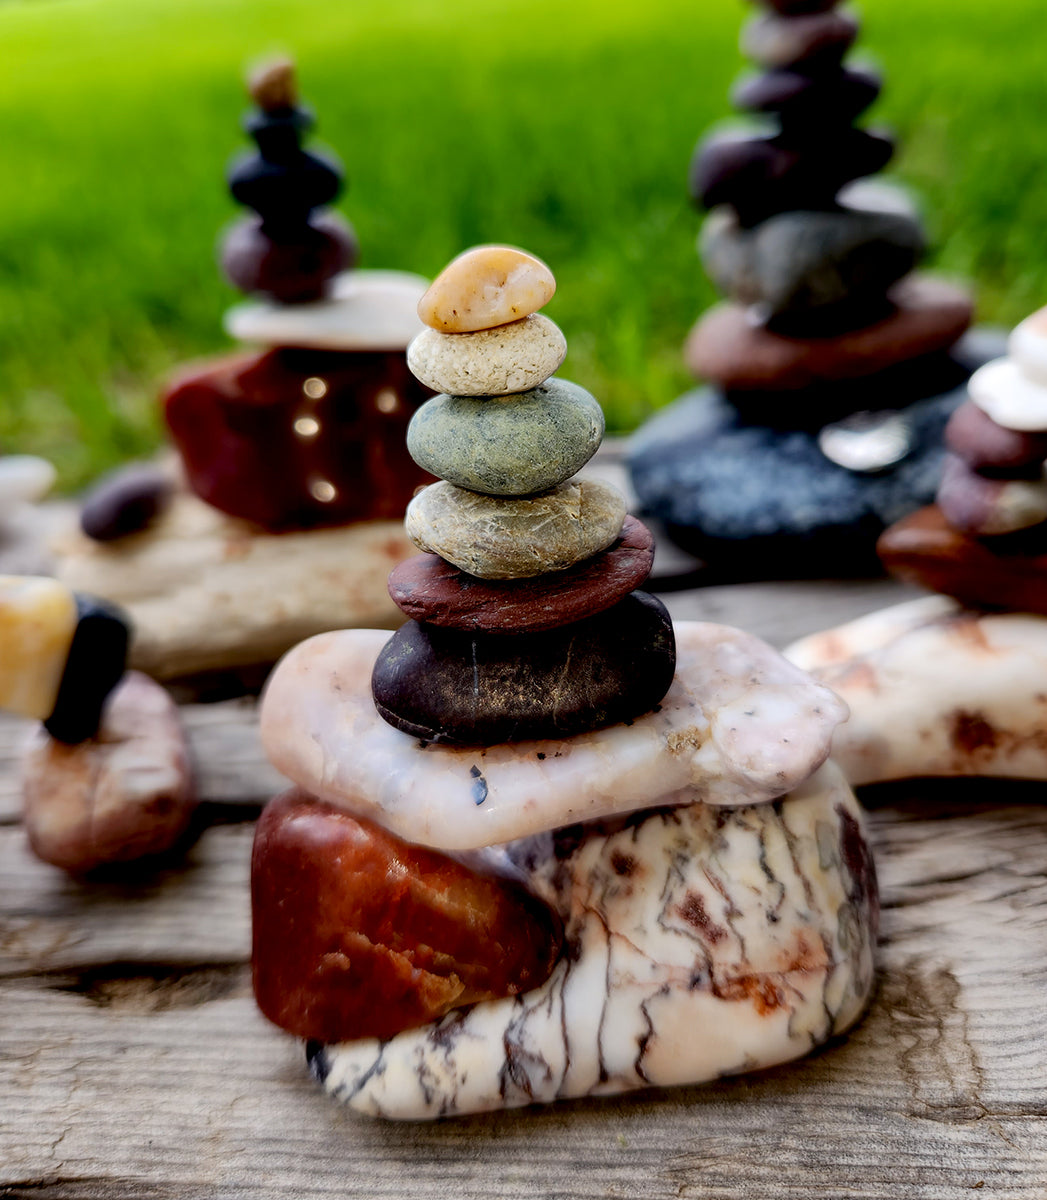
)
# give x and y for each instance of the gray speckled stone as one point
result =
(490, 362)
(494, 538)
(798, 261)
(507, 445)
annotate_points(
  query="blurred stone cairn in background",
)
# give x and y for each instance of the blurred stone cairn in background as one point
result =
(540, 844)
(832, 368)
(281, 518)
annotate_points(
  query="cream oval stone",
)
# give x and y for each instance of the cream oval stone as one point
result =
(495, 538)
(1011, 397)
(484, 287)
(490, 362)
(1027, 345)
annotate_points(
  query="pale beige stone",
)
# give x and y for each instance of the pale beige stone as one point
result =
(495, 538)
(37, 621)
(484, 287)
(125, 793)
(490, 362)
(205, 591)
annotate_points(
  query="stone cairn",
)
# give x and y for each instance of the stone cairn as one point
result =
(832, 367)
(302, 438)
(106, 775)
(985, 541)
(501, 876)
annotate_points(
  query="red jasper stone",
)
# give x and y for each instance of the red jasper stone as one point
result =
(429, 589)
(1008, 572)
(295, 438)
(359, 934)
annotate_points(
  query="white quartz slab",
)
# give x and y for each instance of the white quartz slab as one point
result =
(739, 725)
(368, 310)
(1012, 398)
(699, 942)
(936, 689)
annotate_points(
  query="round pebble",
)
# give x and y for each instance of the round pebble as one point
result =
(491, 362)
(985, 507)
(833, 99)
(24, 479)
(428, 589)
(508, 445)
(291, 269)
(478, 689)
(988, 448)
(1014, 400)
(1027, 345)
(485, 287)
(495, 538)
(776, 41)
(124, 501)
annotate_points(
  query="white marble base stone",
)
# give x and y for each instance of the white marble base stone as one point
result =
(206, 591)
(936, 689)
(700, 942)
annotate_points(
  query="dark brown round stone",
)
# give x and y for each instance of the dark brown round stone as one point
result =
(125, 501)
(999, 573)
(429, 589)
(793, 8)
(294, 267)
(990, 449)
(816, 42)
(726, 347)
(481, 689)
(820, 101)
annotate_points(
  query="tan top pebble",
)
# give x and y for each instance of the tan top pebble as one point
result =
(486, 287)
(271, 84)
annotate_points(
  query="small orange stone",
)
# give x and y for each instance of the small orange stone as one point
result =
(486, 287)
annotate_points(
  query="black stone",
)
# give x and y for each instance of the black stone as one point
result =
(818, 103)
(284, 193)
(457, 688)
(96, 663)
(124, 501)
(760, 175)
(751, 493)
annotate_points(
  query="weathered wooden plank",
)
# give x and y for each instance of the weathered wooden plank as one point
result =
(154, 1087)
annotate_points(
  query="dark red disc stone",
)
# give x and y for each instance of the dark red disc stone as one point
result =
(429, 589)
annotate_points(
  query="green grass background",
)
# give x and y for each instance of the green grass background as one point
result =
(564, 126)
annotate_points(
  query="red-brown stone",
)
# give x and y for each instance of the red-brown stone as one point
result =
(359, 934)
(429, 589)
(296, 438)
(727, 348)
(1002, 572)
(990, 448)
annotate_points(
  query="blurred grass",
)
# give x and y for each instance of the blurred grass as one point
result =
(564, 126)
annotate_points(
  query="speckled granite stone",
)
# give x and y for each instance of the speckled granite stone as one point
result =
(490, 362)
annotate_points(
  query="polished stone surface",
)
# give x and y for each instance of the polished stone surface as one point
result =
(491, 362)
(429, 589)
(358, 934)
(484, 287)
(459, 688)
(95, 665)
(498, 538)
(1012, 398)
(508, 445)
(739, 726)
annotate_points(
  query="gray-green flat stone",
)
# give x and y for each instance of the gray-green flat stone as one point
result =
(496, 538)
(508, 445)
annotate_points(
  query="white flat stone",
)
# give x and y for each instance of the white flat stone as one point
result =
(1027, 346)
(368, 310)
(698, 944)
(24, 479)
(936, 690)
(739, 726)
(206, 591)
(1013, 399)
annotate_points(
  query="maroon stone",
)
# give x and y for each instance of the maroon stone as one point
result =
(359, 934)
(992, 450)
(975, 503)
(294, 267)
(429, 589)
(1000, 573)
(727, 348)
(296, 438)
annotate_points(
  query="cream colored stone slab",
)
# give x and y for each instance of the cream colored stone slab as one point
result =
(698, 945)
(936, 689)
(368, 310)
(497, 538)
(1014, 400)
(484, 287)
(38, 618)
(206, 591)
(739, 725)
(1027, 346)
(490, 362)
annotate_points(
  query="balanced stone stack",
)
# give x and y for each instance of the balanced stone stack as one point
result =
(833, 368)
(105, 776)
(292, 454)
(524, 860)
(985, 541)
